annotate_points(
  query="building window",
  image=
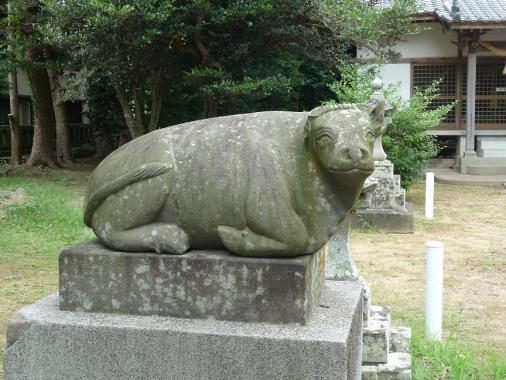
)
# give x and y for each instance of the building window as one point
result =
(424, 75)
(25, 112)
(490, 107)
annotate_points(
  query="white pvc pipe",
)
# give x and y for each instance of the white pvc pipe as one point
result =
(429, 195)
(434, 290)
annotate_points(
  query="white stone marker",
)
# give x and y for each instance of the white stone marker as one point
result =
(434, 290)
(429, 195)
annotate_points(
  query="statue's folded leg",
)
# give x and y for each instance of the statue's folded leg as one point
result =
(273, 228)
(248, 243)
(158, 237)
(128, 219)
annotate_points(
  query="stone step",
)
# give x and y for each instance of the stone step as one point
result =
(487, 170)
(399, 339)
(366, 306)
(493, 153)
(398, 367)
(376, 336)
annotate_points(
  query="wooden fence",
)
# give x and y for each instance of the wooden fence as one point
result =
(79, 135)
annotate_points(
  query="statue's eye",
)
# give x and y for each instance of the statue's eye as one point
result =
(371, 135)
(324, 137)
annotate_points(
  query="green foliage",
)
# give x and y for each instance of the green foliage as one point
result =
(354, 85)
(375, 27)
(240, 55)
(104, 111)
(406, 141)
(453, 359)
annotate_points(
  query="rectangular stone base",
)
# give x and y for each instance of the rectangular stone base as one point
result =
(387, 220)
(198, 284)
(47, 343)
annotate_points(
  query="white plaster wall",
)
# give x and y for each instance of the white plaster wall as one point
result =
(398, 73)
(495, 35)
(433, 42)
(23, 84)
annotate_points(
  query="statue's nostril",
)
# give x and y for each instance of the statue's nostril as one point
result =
(355, 153)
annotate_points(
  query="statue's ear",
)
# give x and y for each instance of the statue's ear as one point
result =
(390, 110)
(380, 113)
(307, 127)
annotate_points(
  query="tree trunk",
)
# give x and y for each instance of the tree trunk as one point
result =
(63, 149)
(132, 124)
(138, 98)
(14, 119)
(15, 128)
(43, 146)
(156, 100)
(210, 108)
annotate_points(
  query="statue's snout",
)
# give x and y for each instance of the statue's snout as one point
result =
(356, 153)
(353, 156)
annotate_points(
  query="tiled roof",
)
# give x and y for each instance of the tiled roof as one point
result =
(468, 11)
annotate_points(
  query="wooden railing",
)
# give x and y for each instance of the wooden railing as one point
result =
(79, 135)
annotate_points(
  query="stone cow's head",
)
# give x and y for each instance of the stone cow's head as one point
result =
(342, 138)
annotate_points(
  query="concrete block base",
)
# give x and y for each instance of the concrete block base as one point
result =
(399, 339)
(483, 166)
(376, 336)
(45, 342)
(387, 220)
(198, 284)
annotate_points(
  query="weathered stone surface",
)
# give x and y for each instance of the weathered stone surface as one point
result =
(382, 205)
(399, 339)
(339, 264)
(387, 220)
(398, 367)
(55, 344)
(266, 184)
(197, 284)
(376, 336)
(369, 372)
(367, 300)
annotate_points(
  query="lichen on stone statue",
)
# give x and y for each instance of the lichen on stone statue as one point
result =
(266, 184)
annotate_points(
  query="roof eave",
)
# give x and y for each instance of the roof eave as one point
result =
(424, 17)
(478, 25)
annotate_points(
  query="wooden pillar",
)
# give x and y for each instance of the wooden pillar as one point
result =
(458, 87)
(471, 99)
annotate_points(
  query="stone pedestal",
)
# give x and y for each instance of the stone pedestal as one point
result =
(197, 284)
(382, 205)
(45, 342)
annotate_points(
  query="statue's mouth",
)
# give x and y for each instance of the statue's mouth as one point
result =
(367, 171)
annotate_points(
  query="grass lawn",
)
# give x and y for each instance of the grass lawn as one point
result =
(471, 222)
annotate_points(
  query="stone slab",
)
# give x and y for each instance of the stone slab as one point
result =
(369, 372)
(400, 337)
(197, 284)
(452, 177)
(387, 220)
(398, 367)
(45, 342)
(366, 308)
(376, 336)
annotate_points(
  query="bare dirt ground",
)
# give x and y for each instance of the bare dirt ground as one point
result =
(471, 221)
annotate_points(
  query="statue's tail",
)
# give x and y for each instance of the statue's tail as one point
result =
(145, 171)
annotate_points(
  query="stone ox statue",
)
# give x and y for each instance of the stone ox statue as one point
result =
(267, 184)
